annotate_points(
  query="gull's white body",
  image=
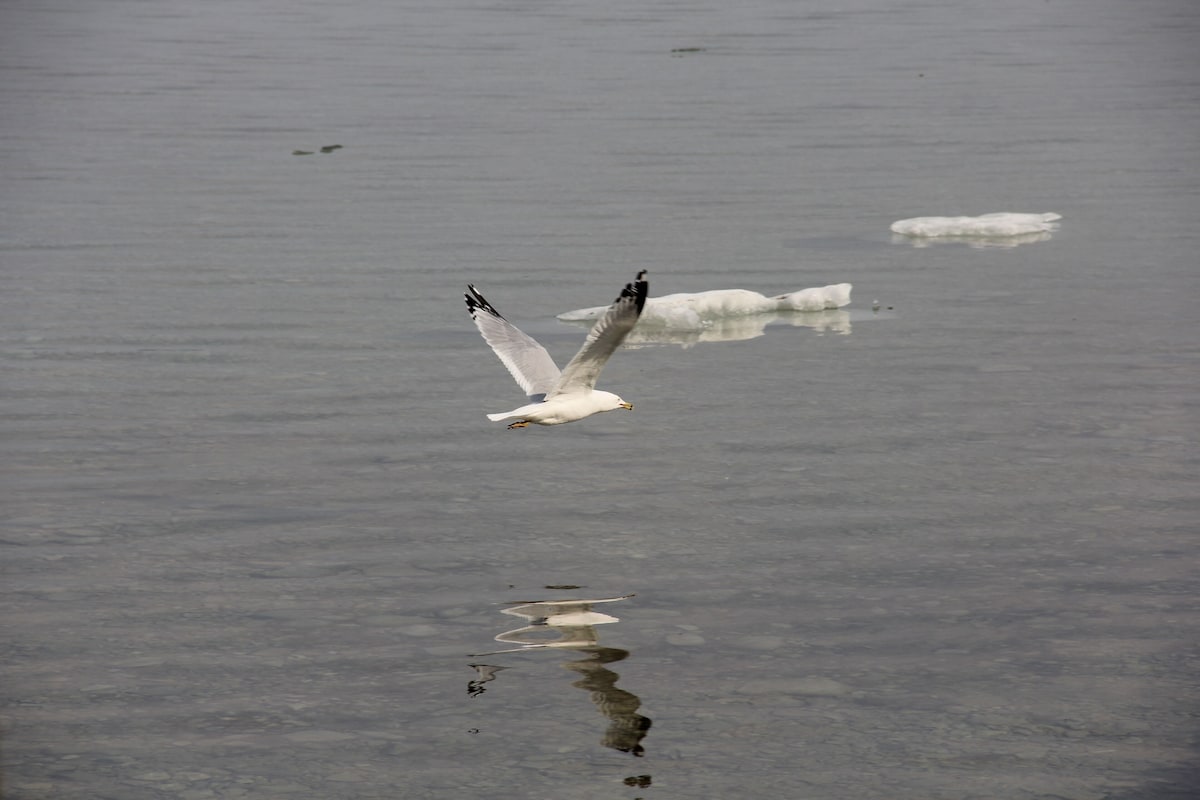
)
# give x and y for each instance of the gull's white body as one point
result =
(564, 408)
(566, 396)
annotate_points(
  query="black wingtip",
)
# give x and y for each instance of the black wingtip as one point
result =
(637, 290)
(477, 301)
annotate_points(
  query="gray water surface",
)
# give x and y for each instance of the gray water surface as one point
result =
(257, 524)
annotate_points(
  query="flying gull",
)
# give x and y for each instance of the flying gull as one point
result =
(558, 397)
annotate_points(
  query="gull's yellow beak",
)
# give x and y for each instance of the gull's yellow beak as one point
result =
(627, 406)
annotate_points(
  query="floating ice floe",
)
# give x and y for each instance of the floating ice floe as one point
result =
(695, 309)
(999, 226)
(724, 315)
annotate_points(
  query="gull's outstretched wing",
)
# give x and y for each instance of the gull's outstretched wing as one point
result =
(605, 337)
(529, 363)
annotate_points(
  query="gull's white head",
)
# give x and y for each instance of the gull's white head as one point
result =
(610, 402)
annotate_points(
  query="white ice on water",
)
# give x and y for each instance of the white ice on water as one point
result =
(1003, 223)
(692, 311)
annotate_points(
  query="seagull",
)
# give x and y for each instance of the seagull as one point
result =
(557, 397)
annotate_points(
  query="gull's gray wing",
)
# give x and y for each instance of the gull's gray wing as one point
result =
(605, 337)
(529, 363)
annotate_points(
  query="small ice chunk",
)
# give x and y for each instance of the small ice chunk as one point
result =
(1003, 223)
(823, 298)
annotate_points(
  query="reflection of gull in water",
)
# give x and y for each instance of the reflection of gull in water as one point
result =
(1001, 229)
(570, 624)
(725, 315)
(626, 727)
(486, 673)
(556, 623)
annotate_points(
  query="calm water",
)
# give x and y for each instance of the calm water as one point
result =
(257, 525)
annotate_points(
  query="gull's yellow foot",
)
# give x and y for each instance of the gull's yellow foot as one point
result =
(521, 423)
